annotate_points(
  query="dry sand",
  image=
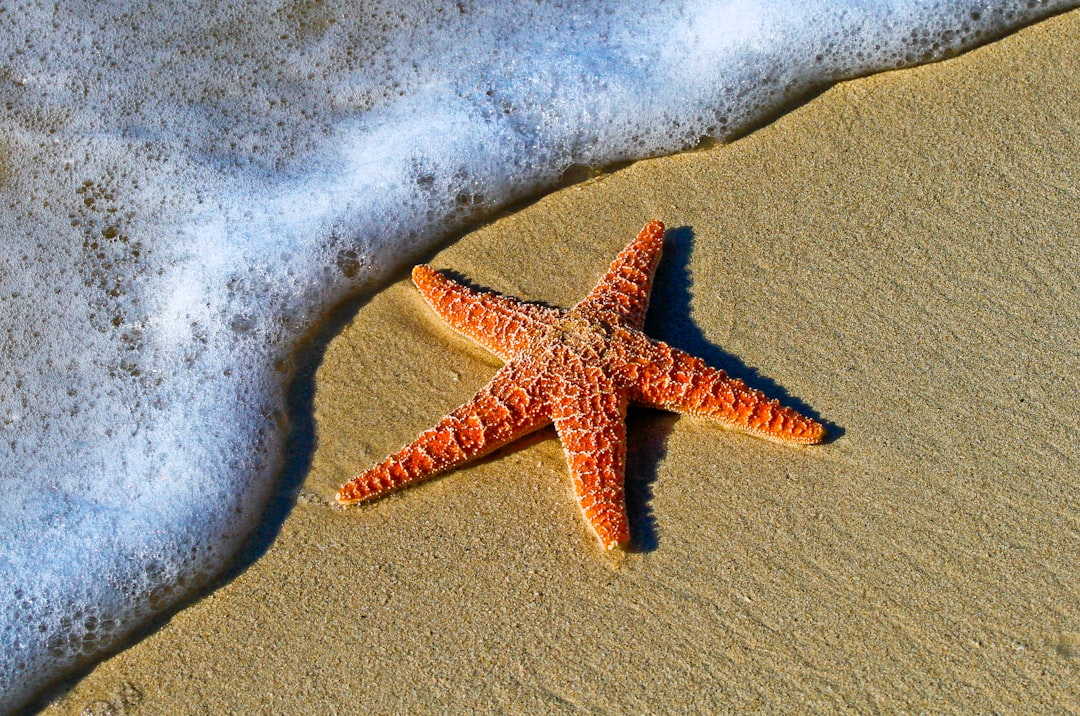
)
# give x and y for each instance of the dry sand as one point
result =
(901, 257)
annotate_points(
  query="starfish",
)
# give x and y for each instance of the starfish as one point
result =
(577, 368)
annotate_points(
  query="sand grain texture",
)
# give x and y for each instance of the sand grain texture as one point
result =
(899, 255)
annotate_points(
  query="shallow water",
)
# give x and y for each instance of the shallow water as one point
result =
(186, 191)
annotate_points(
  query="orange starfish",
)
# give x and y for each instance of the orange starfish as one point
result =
(579, 369)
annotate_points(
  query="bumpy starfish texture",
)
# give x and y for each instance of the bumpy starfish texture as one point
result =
(578, 369)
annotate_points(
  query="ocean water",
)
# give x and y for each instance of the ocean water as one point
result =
(185, 188)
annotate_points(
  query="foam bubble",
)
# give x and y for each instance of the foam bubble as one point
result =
(183, 192)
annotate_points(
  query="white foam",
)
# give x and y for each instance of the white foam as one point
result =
(183, 193)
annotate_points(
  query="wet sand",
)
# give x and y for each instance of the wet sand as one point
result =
(899, 257)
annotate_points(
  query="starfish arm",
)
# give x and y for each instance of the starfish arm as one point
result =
(507, 408)
(592, 427)
(673, 380)
(623, 292)
(500, 323)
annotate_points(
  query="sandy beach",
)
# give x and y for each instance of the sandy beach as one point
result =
(899, 258)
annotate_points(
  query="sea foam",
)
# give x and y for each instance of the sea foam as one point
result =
(187, 188)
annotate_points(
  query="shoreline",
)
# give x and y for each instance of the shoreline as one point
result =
(888, 255)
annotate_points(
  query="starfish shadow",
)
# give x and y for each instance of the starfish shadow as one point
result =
(648, 430)
(673, 324)
(647, 433)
